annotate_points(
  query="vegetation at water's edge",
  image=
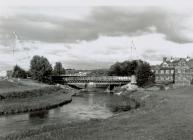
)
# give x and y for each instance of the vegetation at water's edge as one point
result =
(124, 103)
(33, 100)
(30, 92)
(73, 130)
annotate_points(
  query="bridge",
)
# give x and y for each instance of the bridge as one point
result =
(99, 81)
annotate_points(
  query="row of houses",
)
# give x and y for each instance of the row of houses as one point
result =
(178, 71)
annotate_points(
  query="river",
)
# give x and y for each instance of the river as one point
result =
(89, 105)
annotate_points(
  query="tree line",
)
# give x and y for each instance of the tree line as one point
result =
(40, 69)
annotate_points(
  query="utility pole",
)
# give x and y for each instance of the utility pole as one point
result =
(133, 48)
(15, 42)
(15, 45)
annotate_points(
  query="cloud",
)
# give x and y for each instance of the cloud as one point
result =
(107, 21)
(95, 38)
(100, 53)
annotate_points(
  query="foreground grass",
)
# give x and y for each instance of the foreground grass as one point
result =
(93, 129)
(165, 115)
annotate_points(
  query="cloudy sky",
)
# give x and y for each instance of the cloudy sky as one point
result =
(88, 35)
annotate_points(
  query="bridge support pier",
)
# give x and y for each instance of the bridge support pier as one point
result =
(111, 87)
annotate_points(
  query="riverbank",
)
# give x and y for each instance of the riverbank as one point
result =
(164, 115)
(19, 98)
(73, 128)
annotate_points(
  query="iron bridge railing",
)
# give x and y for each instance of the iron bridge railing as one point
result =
(87, 79)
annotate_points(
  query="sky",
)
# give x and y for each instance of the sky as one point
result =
(93, 34)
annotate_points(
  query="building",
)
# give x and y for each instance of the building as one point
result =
(178, 71)
(164, 75)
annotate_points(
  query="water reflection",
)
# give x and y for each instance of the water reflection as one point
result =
(38, 117)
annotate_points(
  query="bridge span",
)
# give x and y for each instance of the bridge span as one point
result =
(84, 82)
(97, 81)
(88, 79)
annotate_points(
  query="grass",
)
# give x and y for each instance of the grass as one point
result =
(11, 85)
(47, 101)
(165, 115)
(82, 129)
(24, 93)
(31, 98)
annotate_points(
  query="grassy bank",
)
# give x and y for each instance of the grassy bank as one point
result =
(93, 129)
(163, 115)
(166, 115)
(31, 98)
(28, 93)
(16, 85)
(27, 104)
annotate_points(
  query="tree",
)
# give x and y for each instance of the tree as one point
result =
(40, 68)
(18, 72)
(58, 69)
(126, 68)
(115, 69)
(144, 74)
(141, 69)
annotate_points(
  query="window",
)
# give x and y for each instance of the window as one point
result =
(167, 71)
(162, 71)
(172, 71)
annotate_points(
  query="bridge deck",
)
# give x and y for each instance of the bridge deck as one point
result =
(88, 79)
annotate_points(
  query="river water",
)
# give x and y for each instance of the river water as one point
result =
(89, 105)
